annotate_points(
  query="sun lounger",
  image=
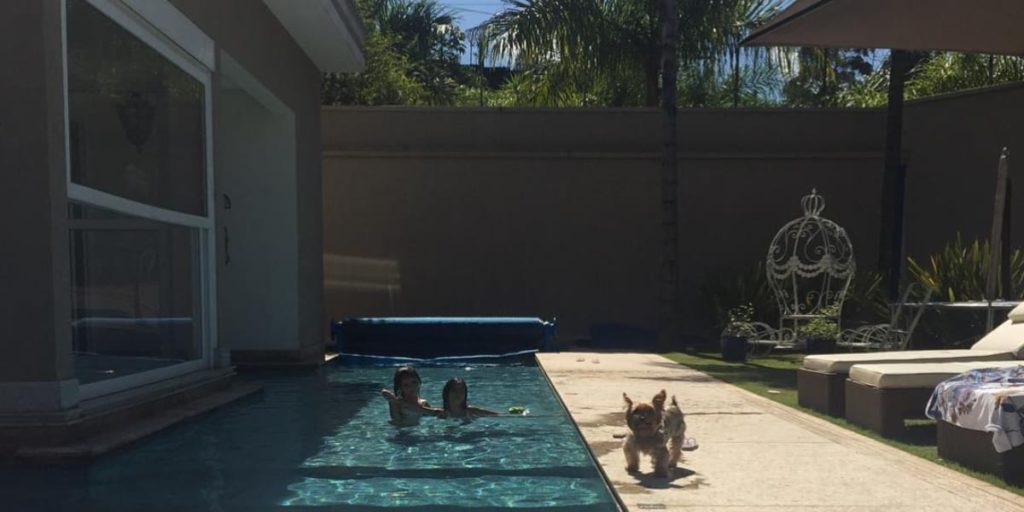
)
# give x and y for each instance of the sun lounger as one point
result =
(881, 396)
(821, 382)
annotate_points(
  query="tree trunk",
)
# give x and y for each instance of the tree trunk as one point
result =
(669, 328)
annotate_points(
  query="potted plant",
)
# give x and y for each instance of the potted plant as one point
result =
(819, 335)
(737, 332)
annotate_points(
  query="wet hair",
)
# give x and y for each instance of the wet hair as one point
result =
(452, 382)
(403, 372)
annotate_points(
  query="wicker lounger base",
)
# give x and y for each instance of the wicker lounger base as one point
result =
(883, 410)
(973, 449)
(823, 392)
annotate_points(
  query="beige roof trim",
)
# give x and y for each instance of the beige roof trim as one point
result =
(329, 31)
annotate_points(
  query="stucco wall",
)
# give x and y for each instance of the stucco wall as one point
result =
(35, 303)
(953, 146)
(556, 213)
(250, 33)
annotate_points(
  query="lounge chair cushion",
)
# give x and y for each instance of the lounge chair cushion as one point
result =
(1008, 337)
(1016, 315)
(1004, 342)
(841, 363)
(916, 375)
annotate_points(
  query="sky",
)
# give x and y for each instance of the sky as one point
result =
(471, 13)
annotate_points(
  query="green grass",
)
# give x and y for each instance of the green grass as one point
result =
(774, 377)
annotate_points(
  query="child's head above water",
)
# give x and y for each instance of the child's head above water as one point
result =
(407, 381)
(455, 393)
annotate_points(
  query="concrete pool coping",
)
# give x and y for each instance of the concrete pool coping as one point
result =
(754, 454)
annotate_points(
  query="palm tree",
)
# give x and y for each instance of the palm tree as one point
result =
(413, 49)
(607, 52)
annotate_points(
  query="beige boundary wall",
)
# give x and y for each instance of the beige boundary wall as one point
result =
(556, 213)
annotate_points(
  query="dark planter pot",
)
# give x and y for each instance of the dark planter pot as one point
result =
(734, 348)
(820, 345)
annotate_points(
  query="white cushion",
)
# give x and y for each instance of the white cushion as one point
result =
(918, 375)
(841, 363)
(1008, 336)
(1005, 342)
(1016, 315)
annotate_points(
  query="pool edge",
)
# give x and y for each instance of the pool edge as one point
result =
(612, 491)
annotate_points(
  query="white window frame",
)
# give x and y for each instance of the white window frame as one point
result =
(163, 28)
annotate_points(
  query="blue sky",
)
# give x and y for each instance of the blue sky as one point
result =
(471, 13)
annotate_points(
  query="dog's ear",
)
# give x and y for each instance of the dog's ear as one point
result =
(629, 403)
(659, 400)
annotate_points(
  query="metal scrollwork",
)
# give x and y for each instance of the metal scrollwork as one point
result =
(810, 262)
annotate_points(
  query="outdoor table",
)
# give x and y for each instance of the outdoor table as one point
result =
(990, 306)
(980, 417)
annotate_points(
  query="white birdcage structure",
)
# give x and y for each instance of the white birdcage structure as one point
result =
(810, 265)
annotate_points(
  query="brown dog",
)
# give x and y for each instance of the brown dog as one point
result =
(656, 431)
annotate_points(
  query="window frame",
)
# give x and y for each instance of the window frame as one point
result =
(163, 28)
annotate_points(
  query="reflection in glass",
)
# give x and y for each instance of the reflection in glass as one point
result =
(136, 119)
(135, 292)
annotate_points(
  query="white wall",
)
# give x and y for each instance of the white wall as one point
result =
(258, 287)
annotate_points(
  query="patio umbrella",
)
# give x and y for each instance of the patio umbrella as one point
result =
(981, 26)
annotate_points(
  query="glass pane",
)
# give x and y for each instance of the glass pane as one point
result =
(135, 292)
(136, 120)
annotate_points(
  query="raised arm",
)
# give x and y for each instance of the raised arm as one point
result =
(480, 411)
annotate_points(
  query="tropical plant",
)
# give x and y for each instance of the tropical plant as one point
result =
(412, 57)
(936, 73)
(822, 74)
(609, 54)
(722, 291)
(958, 272)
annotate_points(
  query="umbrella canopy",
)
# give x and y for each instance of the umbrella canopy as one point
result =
(975, 26)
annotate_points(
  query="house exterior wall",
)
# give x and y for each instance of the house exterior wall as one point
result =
(557, 213)
(36, 373)
(255, 39)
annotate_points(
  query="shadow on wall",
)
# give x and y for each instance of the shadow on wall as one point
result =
(343, 272)
(619, 336)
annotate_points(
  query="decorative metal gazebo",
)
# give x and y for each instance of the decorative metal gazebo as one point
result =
(810, 265)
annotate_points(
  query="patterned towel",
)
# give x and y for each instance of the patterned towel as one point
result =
(987, 399)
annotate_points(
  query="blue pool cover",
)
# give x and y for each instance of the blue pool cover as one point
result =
(428, 337)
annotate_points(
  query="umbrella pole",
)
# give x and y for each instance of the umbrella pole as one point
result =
(890, 245)
(995, 247)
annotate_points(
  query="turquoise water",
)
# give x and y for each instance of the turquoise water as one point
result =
(321, 441)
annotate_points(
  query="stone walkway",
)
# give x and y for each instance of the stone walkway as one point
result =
(754, 454)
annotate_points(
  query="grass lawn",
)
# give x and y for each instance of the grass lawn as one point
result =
(774, 377)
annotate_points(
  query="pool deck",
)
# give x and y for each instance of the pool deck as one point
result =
(754, 454)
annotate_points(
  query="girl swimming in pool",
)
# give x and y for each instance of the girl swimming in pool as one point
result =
(455, 396)
(404, 403)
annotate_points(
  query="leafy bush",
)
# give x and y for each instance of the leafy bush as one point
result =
(825, 327)
(958, 272)
(740, 318)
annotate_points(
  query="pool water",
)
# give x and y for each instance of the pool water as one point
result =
(321, 441)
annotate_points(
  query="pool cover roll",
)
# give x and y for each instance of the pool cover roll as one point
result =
(427, 337)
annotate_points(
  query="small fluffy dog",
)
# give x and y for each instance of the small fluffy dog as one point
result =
(656, 431)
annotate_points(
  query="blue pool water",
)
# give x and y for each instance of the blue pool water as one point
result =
(321, 441)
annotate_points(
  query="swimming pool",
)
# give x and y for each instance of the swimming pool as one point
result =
(320, 440)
